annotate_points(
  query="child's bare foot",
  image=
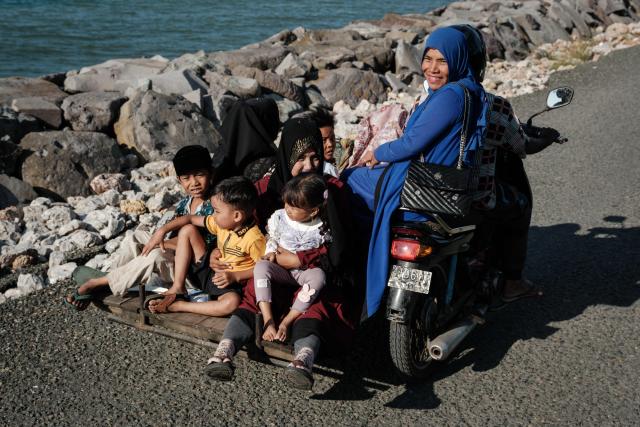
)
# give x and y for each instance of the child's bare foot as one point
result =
(270, 332)
(281, 335)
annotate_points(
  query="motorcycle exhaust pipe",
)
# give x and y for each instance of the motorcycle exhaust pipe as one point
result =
(444, 344)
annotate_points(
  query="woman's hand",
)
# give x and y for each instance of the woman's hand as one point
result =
(369, 159)
(287, 259)
(215, 263)
(157, 239)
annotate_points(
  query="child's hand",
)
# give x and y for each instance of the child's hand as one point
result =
(222, 279)
(271, 257)
(281, 335)
(215, 263)
(287, 259)
(157, 239)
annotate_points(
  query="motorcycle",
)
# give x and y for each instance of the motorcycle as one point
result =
(435, 298)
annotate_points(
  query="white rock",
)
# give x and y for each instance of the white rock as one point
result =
(163, 200)
(33, 213)
(616, 29)
(134, 195)
(113, 244)
(10, 232)
(56, 258)
(160, 168)
(28, 283)
(79, 239)
(13, 293)
(109, 222)
(97, 261)
(70, 227)
(41, 201)
(61, 272)
(3, 299)
(84, 205)
(111, 197)
(57, 216)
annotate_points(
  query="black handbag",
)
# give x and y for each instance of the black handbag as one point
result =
(440, 189)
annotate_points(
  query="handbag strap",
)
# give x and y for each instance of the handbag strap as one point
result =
(465, 125)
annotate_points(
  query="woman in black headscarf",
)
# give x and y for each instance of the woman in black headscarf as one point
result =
(248, 132)
(331, 317)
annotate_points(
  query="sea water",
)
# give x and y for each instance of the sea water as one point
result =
(45, 36)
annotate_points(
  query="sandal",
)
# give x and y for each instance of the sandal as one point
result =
(221, 371)
(529, 291)
(76, 297)
(298, 377)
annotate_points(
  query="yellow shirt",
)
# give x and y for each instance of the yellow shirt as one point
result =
(242, 248)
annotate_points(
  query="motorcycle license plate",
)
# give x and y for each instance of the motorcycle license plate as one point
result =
(410, 279)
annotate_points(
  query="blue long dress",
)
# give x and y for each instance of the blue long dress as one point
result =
(433, 130)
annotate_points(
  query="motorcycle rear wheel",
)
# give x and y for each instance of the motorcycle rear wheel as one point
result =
(408, 341)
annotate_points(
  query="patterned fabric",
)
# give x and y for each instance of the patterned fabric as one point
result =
(183, 208)
(293, 236)
(503, 132)
(383, 125)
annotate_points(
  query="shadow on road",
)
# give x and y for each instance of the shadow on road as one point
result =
(576, 268)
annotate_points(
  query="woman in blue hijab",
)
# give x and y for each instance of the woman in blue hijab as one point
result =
(432, 133)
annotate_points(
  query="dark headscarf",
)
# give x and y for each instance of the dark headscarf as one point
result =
(248, 132)
(299, 135)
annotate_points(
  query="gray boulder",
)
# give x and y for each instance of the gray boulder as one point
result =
(352, 86)
(242, 87)
(407, 59)
(263, 57)
(292, 66)
(272, 82)
(115, 75)
(14, 192)
(64, 162)
(16, 125)
(40, 108)
(286, 107)
(92, 111)
(325, 56)
(177, 82)
(23, 87)
(157, 125)
(409, 37)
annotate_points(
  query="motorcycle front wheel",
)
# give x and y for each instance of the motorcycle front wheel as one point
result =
(408, 341)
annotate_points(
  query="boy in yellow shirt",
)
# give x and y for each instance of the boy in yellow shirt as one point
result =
(239, 240)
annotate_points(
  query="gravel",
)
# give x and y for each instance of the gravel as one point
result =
(570, 358)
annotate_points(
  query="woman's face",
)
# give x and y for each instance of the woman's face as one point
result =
(435, 69)
(307, 162)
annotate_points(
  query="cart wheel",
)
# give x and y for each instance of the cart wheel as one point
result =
(408, 341)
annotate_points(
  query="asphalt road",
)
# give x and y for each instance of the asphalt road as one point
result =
(570, 358)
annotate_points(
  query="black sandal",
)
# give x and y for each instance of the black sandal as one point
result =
(299, 378)
(221, 371)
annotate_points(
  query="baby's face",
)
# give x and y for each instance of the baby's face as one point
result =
(299, 214)
(195, 183)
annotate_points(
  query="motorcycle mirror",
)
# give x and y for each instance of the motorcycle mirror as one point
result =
(556, 98)
(559, 97)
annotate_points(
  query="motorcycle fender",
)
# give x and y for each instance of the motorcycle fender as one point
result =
(400, 303)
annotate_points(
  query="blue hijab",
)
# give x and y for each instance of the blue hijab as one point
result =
(453, 47)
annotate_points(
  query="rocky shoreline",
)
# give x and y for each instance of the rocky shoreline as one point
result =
(83, 153)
